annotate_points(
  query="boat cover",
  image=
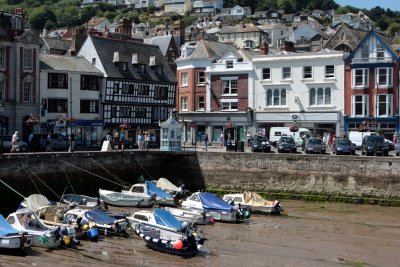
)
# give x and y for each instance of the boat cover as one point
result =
(99, 216)
(166, 185)
(254, 199)
(165, 218)
(5, 228)
(36, 201)
(152, 188)
(212, 202)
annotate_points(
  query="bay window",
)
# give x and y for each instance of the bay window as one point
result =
(385, 105)
(359, 78)
(360, 105)
(384, 77)
(229, 87)
(276, 97)
(320, 96)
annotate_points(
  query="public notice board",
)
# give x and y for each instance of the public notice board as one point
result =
(106, 146)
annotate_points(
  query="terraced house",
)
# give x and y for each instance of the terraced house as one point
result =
(372, 86)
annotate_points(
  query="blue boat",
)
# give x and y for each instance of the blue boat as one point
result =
(163, 232)
(214, 206)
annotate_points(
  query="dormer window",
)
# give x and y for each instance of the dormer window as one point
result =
(16, 23)
(229, 64)
(116, 57)
(123, 66)
(141, 68)
(159, 69)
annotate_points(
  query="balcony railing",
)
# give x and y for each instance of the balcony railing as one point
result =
(370, 60)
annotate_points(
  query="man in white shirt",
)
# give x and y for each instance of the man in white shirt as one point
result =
(14, 142)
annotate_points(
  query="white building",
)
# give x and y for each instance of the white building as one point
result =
(70, 88)
(305, 89)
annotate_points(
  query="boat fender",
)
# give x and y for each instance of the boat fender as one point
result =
(66, 240)
(178, 244)
(276, 203)
(247, 214)
(43, 240)
(85, 227)
(93, 234)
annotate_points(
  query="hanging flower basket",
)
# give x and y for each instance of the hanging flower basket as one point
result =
(124, 126)
(294, 129)
(32, 121)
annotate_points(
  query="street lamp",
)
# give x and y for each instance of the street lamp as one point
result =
(2, 108)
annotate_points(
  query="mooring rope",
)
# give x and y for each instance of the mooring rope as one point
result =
(108, 180)
(69, 182)
(113, 175)
(34, 174)
(12, 189)
(144, 169)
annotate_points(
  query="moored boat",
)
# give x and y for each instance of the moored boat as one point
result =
(191, 215)
(26, 220)
(163, 232)
(10, 238)
(255, 202)
(83, 202)
(215, 207)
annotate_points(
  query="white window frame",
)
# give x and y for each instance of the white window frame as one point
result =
(388, 75)
(380, 52)
(27, 91)
(184, 79)
(365, 78)
(365, 52)
(364, 103)
(199, 78)
(28, 58)
(184, 103)
(276, 97)
(231, 85)
(2, 56)
(248, 44)
(387, 101)
(265, 75)
(306, 72)
(93, 106)
(229, 104)
(229, 64)
(286, 70)
(201, 100)
(330, 71)
(320, 97)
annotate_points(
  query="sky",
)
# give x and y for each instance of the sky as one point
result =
(368, 4)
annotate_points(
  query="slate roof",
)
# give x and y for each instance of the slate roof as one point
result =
(106, 47)
(210, 49)
(56, 43)
(67, 63)
(238, 28)
(162, 42)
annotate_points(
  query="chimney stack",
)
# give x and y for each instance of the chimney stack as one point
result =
(264, 48)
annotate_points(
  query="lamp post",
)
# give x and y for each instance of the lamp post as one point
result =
(2, 108)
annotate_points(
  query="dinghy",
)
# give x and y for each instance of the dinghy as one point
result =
(10, 238)
(255, 202)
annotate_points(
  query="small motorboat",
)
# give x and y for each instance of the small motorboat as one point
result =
(97, 219)
(163, 232)
(192, 216)
(10, 238)
(179, 193)
(138, 195)
(215, 207)
(26, 220)
(83, 202)
(255, 202)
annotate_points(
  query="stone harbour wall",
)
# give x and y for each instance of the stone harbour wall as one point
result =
(48, 174)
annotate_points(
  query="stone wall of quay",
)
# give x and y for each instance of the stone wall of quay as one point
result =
(51, 173)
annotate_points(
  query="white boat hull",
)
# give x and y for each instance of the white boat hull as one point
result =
(16, 242)
(124, 200)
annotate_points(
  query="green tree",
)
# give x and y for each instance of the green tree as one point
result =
(394, 28)
(87, 13)
(39, 16)
(288, 5)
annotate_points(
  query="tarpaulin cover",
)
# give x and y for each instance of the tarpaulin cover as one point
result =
(99, 216)
(165, 218)
(152, 188)
(212, 202)
(5, 228)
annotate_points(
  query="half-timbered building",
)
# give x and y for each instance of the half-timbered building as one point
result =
(138, 89)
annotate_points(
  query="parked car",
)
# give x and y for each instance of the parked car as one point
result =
(260, 144)
(315, 145)
(58, 142)
(374, 145)
(391, 145)
(22, 145)
(344, 146)
(287, 144)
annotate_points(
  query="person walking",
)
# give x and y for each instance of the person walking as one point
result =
(205, 139)
(115, 140)
(221, 140)
(72, 142)
(48, 142)
(122, 140)
(30, 137)
(14, 142)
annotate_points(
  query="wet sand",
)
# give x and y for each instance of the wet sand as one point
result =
(313, 234)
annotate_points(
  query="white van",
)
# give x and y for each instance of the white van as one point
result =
(276, 132)
(357, 137)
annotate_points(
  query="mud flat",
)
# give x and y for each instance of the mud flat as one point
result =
(313, 234)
